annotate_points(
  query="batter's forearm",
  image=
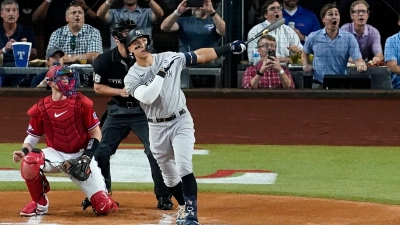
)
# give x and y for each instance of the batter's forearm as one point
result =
(205, 55)
(148, 94)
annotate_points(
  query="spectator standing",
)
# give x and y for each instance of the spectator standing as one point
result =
(203, 29)
(367, 36)
(286, 39)
(143, 17)
(267, 73)
(304, 20)
(77, 39)
(331, 47)
(392, 57)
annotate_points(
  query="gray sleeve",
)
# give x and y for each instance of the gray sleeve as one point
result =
(132, 81)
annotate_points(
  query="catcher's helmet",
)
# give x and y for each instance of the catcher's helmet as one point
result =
(122, 25)
(67, 88)
(135, 34)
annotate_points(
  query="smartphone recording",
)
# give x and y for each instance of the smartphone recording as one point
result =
(271, 53)
(194, 3)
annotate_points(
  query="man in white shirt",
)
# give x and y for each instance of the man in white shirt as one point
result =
(286, 39)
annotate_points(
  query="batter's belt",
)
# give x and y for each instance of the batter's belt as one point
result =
(168, 118)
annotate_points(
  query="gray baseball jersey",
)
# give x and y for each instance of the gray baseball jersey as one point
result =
(171, 98)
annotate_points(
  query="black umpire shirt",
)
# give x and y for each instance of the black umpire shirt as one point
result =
(110, 69)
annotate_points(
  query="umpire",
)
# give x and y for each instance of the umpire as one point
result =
(124, 113)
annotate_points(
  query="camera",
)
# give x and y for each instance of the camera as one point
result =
(194, 3)
(271, 53)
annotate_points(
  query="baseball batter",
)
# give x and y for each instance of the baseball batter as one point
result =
(124, 113)
(155, 81)
(72, 132)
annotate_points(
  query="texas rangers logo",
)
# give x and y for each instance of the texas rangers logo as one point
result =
(95, 116)
(30, 128)
(209, 27)
(137, 32)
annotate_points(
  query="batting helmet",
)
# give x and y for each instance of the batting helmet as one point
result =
(135, 34)
(123, 24)
(66, 86)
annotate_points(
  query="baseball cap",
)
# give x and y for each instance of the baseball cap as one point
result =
(53, 50)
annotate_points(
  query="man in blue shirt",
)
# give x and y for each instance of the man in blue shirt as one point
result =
(392, 57)
(11, 32)
(331, 48)
(143, 17)
(203, 29)
(304, 20)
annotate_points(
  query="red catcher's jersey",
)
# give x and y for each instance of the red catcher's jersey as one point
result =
(66, 123)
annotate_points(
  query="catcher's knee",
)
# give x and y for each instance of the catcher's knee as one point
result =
(102, 203)
(32, 164)
(32, 173)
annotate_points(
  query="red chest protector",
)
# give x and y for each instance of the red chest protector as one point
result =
(63, 124)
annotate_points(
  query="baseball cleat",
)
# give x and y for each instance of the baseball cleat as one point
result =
(165, 203)
(85, 203)
(180, 215)
(34, 209)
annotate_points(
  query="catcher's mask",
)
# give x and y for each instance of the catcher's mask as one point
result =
(65, 78)
(135, 34)
(123, 24)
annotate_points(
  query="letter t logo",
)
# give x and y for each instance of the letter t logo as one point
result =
(21, 53)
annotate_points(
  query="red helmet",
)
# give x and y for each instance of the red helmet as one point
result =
(55, 74)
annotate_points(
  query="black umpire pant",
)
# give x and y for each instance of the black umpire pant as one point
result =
(116, 127)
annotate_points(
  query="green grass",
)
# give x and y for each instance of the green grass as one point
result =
(351, 173)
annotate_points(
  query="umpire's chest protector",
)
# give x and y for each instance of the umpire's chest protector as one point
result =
(63, 124)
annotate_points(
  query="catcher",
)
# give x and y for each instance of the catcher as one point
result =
(72, 136)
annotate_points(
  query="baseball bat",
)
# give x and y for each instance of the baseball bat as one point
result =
(269, 28)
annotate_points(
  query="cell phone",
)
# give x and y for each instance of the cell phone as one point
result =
(271, 53)
(194, 3)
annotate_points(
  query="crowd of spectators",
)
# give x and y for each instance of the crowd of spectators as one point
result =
(83, 31)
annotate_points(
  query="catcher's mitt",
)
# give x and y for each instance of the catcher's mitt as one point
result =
(78, 168)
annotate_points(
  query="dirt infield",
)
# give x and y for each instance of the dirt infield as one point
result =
(237, 121)
(138, 208)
